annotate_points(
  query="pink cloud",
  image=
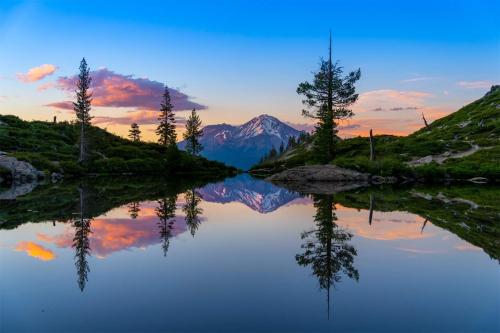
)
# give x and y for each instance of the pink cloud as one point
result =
(66, 105)
(475, 84)
(111, 89)
(117, 234)
(37, 73)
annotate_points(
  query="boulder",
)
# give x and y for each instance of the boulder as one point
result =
(21, 171)
(319, 173)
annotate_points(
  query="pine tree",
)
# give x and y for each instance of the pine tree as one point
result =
(82, 107)
(282, 148)
(166, 128)
(134, 133)
(327, 99)
(193, 133)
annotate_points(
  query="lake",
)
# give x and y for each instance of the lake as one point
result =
(242, 254)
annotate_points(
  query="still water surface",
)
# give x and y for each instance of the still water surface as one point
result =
(246, 255)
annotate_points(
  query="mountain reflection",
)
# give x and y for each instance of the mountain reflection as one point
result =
(257, 194)
(326, 248)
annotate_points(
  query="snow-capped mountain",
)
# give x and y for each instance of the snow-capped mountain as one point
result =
(243, 146)
(258, 195)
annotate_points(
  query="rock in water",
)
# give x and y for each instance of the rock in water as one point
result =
(319, 173)
(17, 191)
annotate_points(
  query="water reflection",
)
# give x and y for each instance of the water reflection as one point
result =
(166, 215)
(327, 249)
(192, 210)
(257, 194)
(279, 244)
(81, 242)
(134, 209)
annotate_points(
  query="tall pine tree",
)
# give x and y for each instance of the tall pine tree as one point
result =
(82, 107)
(193, 133)
(166, 128)
(134, 132)
(327, 99)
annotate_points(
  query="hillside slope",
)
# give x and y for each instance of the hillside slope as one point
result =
(53, 147)
(461, 145)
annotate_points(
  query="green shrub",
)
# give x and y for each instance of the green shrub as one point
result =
(431, 172)
(37, 160)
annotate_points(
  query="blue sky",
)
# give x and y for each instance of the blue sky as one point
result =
(244, 58)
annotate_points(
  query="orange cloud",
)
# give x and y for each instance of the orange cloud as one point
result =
(36, 251)
(37, 73)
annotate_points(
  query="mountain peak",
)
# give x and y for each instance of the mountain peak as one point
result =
(266, 124)
(243, 146)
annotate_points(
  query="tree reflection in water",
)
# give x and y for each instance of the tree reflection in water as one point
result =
(326, 248)
(166, 214)
(133, 209)
(81, 241)
(192, 211)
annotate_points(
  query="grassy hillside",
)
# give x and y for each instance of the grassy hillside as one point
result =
(476, 125)
(54, 148)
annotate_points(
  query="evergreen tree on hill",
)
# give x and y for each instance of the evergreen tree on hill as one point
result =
(166, 128)
(134, 133)
(82, 108)
(327, 99)
(193, 133)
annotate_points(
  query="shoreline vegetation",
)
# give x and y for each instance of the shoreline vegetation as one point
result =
(30, 151)
(52, 149)
(461, 146)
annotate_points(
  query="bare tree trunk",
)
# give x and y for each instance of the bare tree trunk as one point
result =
(82, 145)
(425, 121)
(372, 147)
